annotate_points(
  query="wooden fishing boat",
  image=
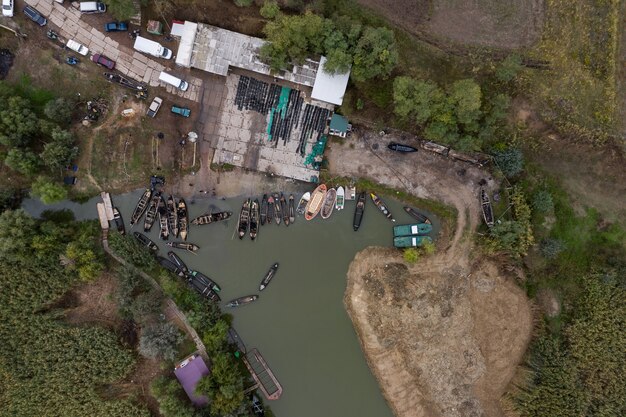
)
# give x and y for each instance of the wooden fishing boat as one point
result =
(184, 246)
(271, 206)
(410, 241)
(244, 219)
(170, 266)
(242, 300)
(359, 211)
(485, 203)
(254, 219)
(341, 198)
(141, 206)
(119, 222)
(304, 200)
(329, 203)
(164, 231)
(206, 280)
(398, 147)
(268, 277)
(292, 210)
(315, 203)
(378, 202)
(284, 209)
(183, 219)
(209, 218)
(151, 213)
(203, 288)
(172, 217)
(145, 240)
(277, 210)
(263, 209)
(179, 262)
(417, 215)
(412, 229)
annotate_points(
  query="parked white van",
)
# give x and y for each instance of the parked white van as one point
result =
(75, 46)
(92, 7)
(152, 48)
(176, 82)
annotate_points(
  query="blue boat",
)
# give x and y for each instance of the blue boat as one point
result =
(412, 229)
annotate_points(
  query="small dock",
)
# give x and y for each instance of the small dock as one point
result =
(262, 374)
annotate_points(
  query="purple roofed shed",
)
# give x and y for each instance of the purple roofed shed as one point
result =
(189, 372)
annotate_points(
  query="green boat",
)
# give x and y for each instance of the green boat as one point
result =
(410, 241)
(412, 229)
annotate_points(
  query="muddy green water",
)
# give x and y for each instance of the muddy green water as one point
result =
(299, 323)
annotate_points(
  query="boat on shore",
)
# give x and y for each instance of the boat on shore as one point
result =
(119, 222)
(183, 219)
(304, 200)
(378, 202)
(151, 213)
(412, 229)
(203, 288)
(417, 215)
(203, 278)
(292, 210)
(257, 407)
(141, 207)
(164, 231)
(277, 210)
(190, 247)
(172, 217)
(254, 219)
(341, 198)
(209, 218)
(329, 203)
(170, 266)
(179, 262)
(359, 211)
(485, 203)
(244, 219)
(271, 206)
(314, 205)
(242, 301)
(410, 241)
(284, 209)
(263, 209)
(398, 147)
(268, 277)
(145, 240)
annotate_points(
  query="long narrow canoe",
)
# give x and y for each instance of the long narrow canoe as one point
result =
(179, 262)
(183, 219)
(417, 215)
(486, 206)
(244, 219)
(277, 209)
(292, 210)
(172, 217)
(242, 300)
(410, 241)
(209, 218)
(151, 213)
(304, 200)
(359, 211)
(141, 207)
(203, 278)
(119, 222)
(284, 209)
(378, 202)
(268, 277)
(412, 229)
(163, 215)
(254, 219)
(315, 203)
(263, 209)
(329, 203)
(184, 246)
(145, 240)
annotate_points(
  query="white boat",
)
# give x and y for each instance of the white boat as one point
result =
(329, 203)
(341, 198)
(304, 200)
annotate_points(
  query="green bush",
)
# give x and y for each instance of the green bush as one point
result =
(270, 9)
(510, 161)
(542, 201)
(411, 255)
(48, 192)
(160, 341)
(509, 68)
(550, 248)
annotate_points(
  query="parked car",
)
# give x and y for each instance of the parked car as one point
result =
(103, 60)
(7, 8)
(181, 111)
(154, 106)
(35, 16)
(115, 27)
(75, 46)
(92, 7)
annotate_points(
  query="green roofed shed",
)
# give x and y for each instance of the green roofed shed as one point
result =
(339, 125)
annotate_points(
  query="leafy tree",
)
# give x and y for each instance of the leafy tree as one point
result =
(18, 123)
(550, 248)
(169, 393)
(22, 160)
(222, 385)
(510, 161)
(132, 251)
(465, 96)
(375, 54)
(270, 9)
(146, 306)
(429, 247)
(56, 155)
(411, 255)
(121, 9)
(160, 341)
(59, 110)
(509, 68)
(515, 236)
(84, 258)
(127, 280)
(542, 201)
(17, 230)
(214, 337)
(48, 192)
(10, 199)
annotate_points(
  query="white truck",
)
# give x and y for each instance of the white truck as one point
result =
(154, 106)
(152, 48)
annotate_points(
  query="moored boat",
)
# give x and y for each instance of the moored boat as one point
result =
(485, 203)
(141, 206)
(206, 280)
(145, 240)
(398, 147)
(172, 217)
(271, 205)
(257, 407)
(244, 219)
(242, 300)
(417, 215)
(284, 209)
(378, 202)
(304, 200)
(203, 288)
(359, 211)
(292, 210)
(277, 210)
(314, 205)
(263, 209)
(268, 277)
(164, 231)
(119, 222)
(410, 241)
(341, 198)
(184, 246)
(170, 266)
(209, 218)
(151, 213)
(183, 219)
(179, 262)
(254, 219)
(412, 229)
(329, 203)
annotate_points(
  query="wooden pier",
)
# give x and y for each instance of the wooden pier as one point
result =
(262, 374)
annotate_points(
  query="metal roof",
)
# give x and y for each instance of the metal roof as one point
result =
(189, 372)
(330, 87)
(338, 123)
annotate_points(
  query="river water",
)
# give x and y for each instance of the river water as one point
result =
(299, 323)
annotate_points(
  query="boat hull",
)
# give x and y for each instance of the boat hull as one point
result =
(417, 215)
(144, 240)
(292, 210)
(412, 229)
(141, 207)
(398, 147)
(254, 219)
(172, 217)
(183, 219)
(410, 241)
(304, 200)
(244, 219)
(242, 301)
(268, 277)
(329, 203)
(382, 207)
(314, 205)
(359, 211)
(341, 199)
(263, 209)
(119, 222)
